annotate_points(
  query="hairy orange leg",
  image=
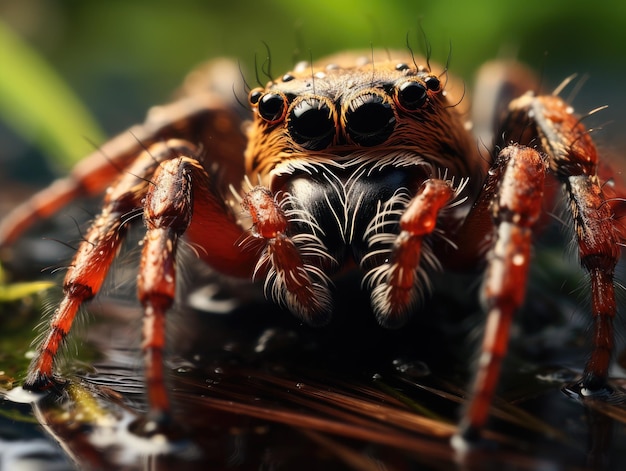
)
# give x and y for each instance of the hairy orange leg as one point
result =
(395, 296)
(180, 200)
(167, 213)
(574, 160)
(93, 259)
(300, 286)
(515, 210)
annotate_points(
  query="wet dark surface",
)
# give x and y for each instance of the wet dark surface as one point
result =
(253, 389)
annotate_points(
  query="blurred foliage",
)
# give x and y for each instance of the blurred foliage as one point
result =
(32, 95)
(122, 56)
(10, 292)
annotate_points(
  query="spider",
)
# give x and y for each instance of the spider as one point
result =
(363, 163)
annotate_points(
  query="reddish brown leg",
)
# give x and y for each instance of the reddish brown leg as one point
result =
(82, 282)
(396, 284)
(167, 213)
(300, 286)
(515, 209)
(573, 158)
(598, 247)
(95, 254)
(188, 118)
(92, 260)
(180, 200)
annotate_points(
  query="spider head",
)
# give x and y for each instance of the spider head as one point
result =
(336, 112)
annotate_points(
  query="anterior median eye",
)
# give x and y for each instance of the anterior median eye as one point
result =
(370, 119)
(311, 123)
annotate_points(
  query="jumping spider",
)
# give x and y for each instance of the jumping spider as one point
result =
(366, 162)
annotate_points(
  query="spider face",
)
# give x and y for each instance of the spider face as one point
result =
(354, 162)
(345, 148)
(356, 111)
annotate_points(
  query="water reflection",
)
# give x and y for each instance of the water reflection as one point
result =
(255, 390)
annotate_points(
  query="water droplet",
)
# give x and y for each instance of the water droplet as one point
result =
(415, 368)
(275, 340)
(558, 376)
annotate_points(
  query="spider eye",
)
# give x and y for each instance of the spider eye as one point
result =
(311, 123)
(411, 95)
(432, 83)
(272, 106)
(255, 95)
(370, 119)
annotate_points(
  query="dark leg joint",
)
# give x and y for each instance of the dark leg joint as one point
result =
(590, 385)
(39, 382)
(593, 382)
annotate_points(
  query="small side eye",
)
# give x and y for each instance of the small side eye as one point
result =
(411, 95)
(255, 95)
(432, 83)
(271, 106)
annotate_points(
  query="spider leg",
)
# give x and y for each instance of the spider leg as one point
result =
(93, 258)
(574, 160)
(202, 118)
(516, 207)
(300, 286)
(167, 214)
(180, 200)
(396, 283)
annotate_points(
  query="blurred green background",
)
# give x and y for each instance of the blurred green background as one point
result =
(75, 71)
(121, 56)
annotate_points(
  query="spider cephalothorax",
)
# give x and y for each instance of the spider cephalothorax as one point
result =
(366, 164)
(331, 144)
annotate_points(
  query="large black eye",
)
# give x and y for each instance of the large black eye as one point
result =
(411, 95)
(369, 119)
(272, 106)
(311, 123)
